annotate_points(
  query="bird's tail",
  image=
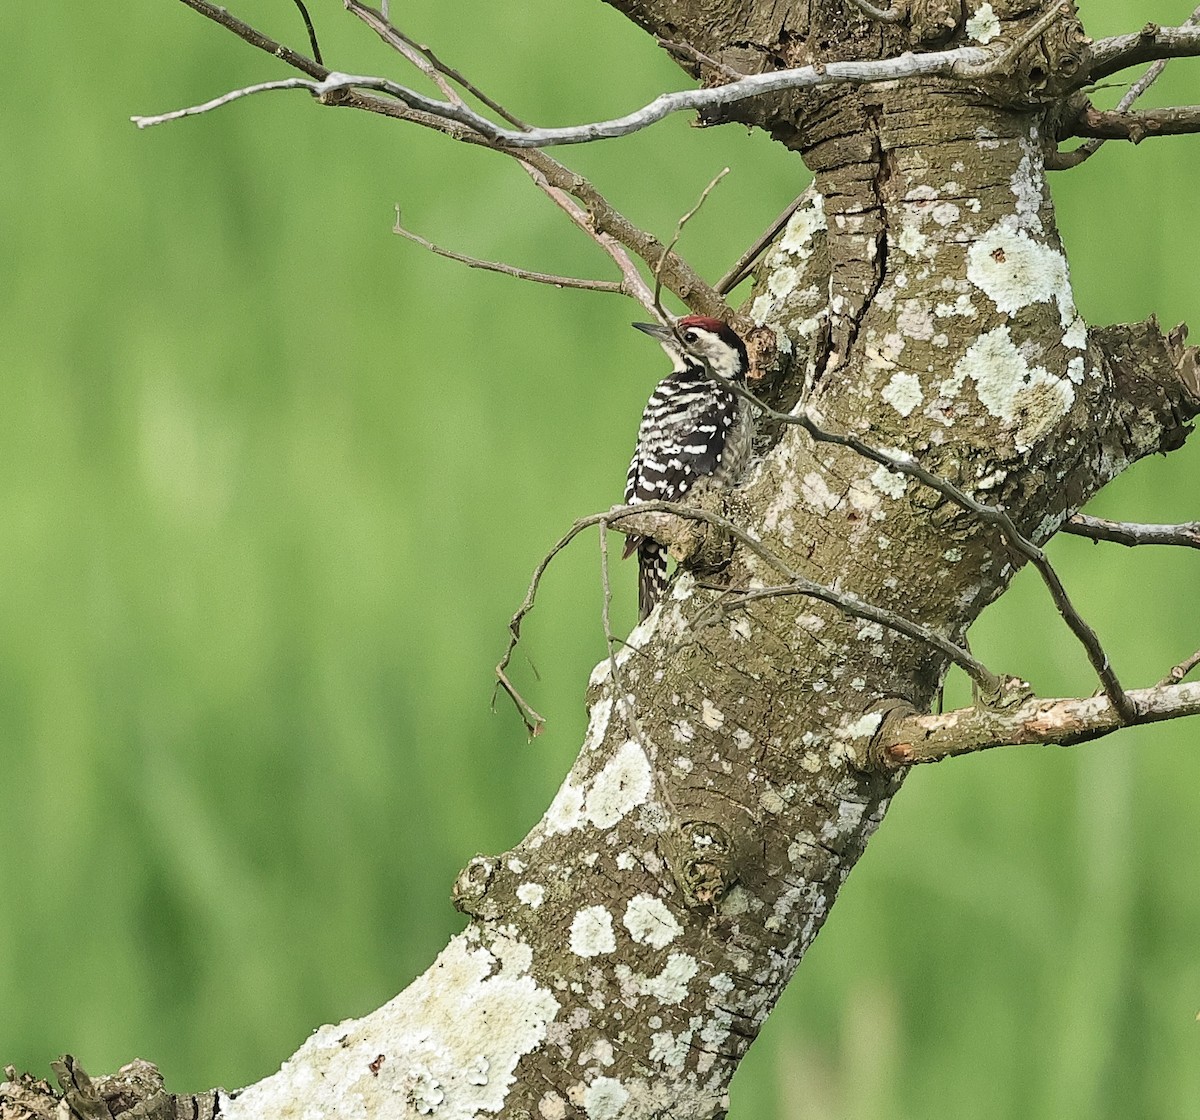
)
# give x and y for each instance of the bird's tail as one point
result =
(652, 575)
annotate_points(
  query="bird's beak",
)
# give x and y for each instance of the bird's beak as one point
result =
(662, 334)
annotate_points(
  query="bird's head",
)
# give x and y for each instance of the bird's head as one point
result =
(697, 340)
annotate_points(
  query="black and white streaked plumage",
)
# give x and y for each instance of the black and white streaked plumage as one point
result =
(695, 433)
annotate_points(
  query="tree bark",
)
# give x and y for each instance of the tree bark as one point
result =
(620, 959)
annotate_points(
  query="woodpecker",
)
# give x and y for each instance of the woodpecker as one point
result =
(695, 433)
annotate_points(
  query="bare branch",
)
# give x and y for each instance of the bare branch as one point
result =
(1131, 533)
(1135, 127)
(1181, 670)
(965, 62)
(508, 269)
(1152, 42)
(402, 44)
(742, 266)
(256, 38)
(226, 99)
(431, 64)
(991, 515)
(688, 53)
(909, 738)
(990, 688)
(633, 284)
(312, 31)
(675, 240)
(601, 217)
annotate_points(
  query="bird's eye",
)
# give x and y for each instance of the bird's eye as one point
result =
(690, 336)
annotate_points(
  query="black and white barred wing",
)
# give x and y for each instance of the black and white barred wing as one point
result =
(682, 438)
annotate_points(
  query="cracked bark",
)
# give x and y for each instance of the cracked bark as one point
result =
(622, 958)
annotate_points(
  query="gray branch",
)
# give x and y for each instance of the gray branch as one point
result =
(1132, 533)
(906, 739)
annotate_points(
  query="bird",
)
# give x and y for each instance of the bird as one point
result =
(696, 432)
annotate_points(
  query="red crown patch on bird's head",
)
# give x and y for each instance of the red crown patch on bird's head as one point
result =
(706, 322)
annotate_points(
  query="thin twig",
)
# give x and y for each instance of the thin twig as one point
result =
(689, 53)
(312, 33)
(1132, 533)
(402, 44)
(256, 38)
(992, 515)
(509, 269)
(670, 246)
(633, 284)
(1181, 670)
(742, 266)
(396, 38)
(226, 99)
(883, 15)
(988, 683)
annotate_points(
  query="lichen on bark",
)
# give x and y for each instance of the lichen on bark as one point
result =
(619, 960)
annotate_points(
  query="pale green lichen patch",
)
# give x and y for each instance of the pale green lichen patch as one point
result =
(592, 932)
(1075, 336)
(1014, 271)
(911, 241)
(1029, 397)
(622, 784)
(445, 1047)
(566, 810)
(531, 894)
(903, 392)
(650, 922)
(983, 26)
(670, 986)
(802, 226)
(889, 482)
(604, 1099)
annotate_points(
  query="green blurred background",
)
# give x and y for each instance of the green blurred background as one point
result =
(273, 481)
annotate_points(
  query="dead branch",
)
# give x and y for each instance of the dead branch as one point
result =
(991, 515)
(1117, 124)
(740, 269)
(909, 738)
(1151, 43)
(509, 269)
(990, 687)
(598, 216)
(1181, 670)
(963, 62)
(1131, 533)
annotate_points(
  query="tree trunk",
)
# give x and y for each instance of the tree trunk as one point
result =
(624, 955)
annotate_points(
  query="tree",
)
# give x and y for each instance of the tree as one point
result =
(937, 410)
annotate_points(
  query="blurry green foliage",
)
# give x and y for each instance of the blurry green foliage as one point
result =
(273, 480)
